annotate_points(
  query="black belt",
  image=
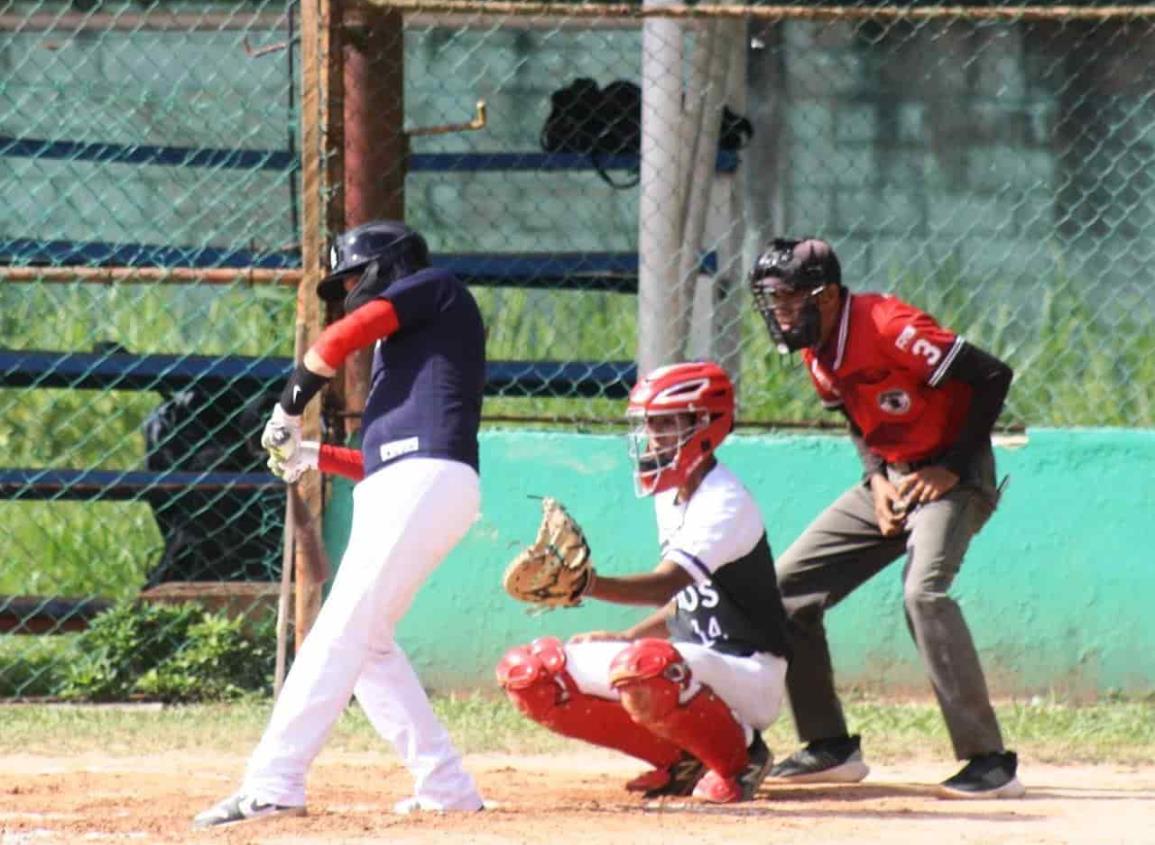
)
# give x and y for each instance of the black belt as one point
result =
(907, 467)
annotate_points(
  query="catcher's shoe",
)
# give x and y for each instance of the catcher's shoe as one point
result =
(679, 778)
(837, 760)
(717, 789)
(986, 776)
(240, 807)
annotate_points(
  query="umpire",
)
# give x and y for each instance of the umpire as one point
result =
(921, 403)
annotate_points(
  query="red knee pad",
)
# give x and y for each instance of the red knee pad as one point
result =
(659, 692)
(534, 677)
(536, 681)
(652, 678)
(524, 665)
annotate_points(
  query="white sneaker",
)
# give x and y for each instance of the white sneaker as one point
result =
(420, 805)
(240, 807)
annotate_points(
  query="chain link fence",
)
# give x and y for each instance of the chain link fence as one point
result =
(170, 168)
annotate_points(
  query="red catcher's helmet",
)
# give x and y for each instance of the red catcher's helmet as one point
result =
(679, 415)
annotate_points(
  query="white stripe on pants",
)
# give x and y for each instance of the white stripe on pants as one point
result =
(751, 686)
(406, 519)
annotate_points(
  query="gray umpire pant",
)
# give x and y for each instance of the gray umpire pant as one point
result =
(841, 550)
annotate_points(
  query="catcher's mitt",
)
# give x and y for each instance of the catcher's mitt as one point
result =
(556, 570)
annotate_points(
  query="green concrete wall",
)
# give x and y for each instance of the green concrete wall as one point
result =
(1056, 588)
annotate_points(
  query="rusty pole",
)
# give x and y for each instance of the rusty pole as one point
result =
(375, 147)
(320, 215)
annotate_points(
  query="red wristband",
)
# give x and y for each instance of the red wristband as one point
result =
(338, 460)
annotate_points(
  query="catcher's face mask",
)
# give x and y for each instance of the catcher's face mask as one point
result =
(679, 414)
(659, 447)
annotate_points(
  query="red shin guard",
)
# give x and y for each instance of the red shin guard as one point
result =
(535, 680)
(659, 693)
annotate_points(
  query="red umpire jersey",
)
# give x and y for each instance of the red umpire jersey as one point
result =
(886, 366)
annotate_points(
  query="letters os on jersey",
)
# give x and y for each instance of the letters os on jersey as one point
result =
(718, 537)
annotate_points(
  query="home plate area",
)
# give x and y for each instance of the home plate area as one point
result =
(570, 796)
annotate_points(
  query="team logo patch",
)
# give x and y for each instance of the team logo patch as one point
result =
(894, 401)
(396, 448)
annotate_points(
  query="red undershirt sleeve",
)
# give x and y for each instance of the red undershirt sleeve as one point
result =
(365, 326)
(339, 460)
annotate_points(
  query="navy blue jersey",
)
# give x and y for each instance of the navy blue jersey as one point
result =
(428, 376)
(718, 537)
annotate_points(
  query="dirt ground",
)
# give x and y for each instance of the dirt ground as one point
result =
(562, 798)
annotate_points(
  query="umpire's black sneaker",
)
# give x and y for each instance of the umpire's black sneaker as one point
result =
(837, 760)
(240, 807)
(991, 775)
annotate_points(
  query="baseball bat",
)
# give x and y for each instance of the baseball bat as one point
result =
(300, 529)
(283, 603)
(306, 532)
(288, 550)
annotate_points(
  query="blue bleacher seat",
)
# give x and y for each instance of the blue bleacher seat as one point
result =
(121, 485)
(250, 159)
(167, 373)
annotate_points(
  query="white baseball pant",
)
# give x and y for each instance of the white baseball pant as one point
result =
(751, 686)
(406, 518)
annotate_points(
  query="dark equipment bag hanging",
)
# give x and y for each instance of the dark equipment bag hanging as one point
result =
(601, 122)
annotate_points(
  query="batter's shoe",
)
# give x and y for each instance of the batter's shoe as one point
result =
(717, 789)
(837, 760)
(242, 808)
(679, 778)
(415, 805)
(993, 775)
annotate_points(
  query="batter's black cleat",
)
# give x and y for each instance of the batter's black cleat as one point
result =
(837, 760)
(677, 779)
(240, 807)
(993, 775)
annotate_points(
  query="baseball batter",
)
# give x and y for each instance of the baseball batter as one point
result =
(417, 495)
(921, 403)
(689, 688)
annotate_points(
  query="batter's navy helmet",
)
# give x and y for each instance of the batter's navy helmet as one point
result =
(381, 252)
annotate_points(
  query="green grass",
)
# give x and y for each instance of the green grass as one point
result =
(77, 548)
(34, 666)
(1077, 362)
(1118, 732)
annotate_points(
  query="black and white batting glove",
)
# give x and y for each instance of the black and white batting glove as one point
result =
(303, 459)
(282, 434)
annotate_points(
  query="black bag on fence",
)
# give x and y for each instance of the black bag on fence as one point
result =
(601, 122)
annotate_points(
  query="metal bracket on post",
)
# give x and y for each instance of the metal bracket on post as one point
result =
(478, 122)
(256, 52)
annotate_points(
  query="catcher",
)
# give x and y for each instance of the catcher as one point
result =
(689, 688)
